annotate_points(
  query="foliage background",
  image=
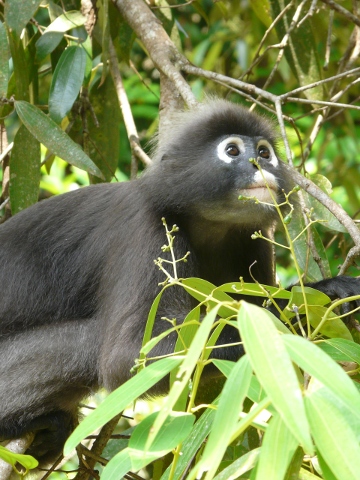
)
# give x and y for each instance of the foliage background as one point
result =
(64, 70)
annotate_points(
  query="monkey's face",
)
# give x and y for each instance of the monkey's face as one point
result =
(247, 179)
(213, 155)
(256, 179)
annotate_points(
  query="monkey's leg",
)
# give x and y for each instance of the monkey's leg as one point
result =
(44, 373)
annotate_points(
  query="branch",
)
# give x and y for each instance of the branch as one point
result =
(18, 445)
(334, 208)
(125, 108)
(160, 47)
(338, 8)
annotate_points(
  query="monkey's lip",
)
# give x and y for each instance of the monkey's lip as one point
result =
(261, 191)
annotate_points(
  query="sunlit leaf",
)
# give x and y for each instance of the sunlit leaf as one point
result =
(333, 436)
(227, 415)
(273, 367)
(341, 350)
(278, 448)
(121, 398)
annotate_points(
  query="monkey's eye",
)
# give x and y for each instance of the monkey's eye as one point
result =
(232, 150)
(264, 152)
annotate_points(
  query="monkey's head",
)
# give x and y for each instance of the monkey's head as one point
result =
(214, 154)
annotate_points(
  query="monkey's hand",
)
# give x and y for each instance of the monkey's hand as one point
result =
(340, 287)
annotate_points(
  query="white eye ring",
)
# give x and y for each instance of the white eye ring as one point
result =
(224, 144)
(273, 158)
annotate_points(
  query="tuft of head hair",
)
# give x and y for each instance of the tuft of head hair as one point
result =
(209, 121)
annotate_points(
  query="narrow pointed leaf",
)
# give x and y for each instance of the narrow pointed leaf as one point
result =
(318, 364)
(278, 448)
(230, 406)
(49, 134)
(121, 398)
(333, 436)
(273, 367)
(66, 21)
(185, 371)
(18, 13)
(24, 170)
(66, 82)
(4, 61)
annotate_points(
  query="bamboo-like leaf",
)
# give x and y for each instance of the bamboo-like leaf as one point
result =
(47, 132)
(24, 170)
(273, 367)
(341, 350)
(66, 82)
(240, 466)
(185, 371)
(118, 466)
(318, 364)
(227, 415)
(193, 442)
(121, 398)
(174, 430)
(278, 448)
(333, 436)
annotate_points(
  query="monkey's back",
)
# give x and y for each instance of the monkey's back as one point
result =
(57, 250)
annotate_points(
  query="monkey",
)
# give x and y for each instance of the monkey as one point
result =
(77, 270)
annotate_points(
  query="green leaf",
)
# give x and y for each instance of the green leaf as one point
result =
(120, 398)
(18, 13)
(185, 371)
(262, 11)
(254, 289)
(277, 450)
(341, 350)
(313, 297)
(333, 327)
(229, 409)
(319, 365)
(21, 67)
(47, 44)
(24, 170)
(66, 82)
(208, 293)
(105, 139)
(176, 427)
(174, 430)
(333, 436)
(4, 61)
(273, 367)
(26, 461)
(193, 442)
(47, 132)
(240, 466)
(118, 466)
(66, 21)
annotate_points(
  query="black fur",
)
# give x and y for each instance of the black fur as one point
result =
(78, 278)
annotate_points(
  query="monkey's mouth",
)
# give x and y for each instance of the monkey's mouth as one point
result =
(264, 192)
